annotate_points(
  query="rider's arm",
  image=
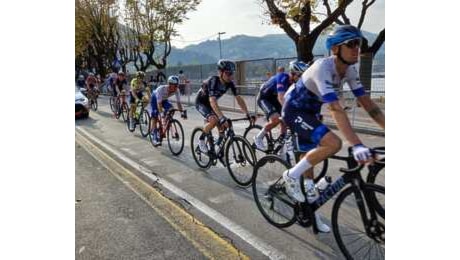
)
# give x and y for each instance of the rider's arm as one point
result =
(281, 98)
(179, 105)
(343, 123)
(372, 109)
(242, 104)
(215, 107)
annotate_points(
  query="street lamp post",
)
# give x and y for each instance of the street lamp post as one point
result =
(220, 45)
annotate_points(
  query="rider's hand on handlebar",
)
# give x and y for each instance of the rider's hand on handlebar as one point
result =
(362, 154)
(183, 114)
(251, 117)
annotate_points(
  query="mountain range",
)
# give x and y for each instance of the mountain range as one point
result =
(243, 47)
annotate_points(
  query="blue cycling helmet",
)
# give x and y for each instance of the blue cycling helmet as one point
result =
(173, 80)
(297, 66)
(341, 34)
(227, 65)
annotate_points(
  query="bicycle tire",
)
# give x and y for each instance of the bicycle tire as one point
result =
(128, 125)
(351, 215)
(176, 128)
(112, 104)
(203, 160)
(94, 104)
(249, 134)
(237, 148)
(144, 122)
(118, 109)
(267, 188)
(124, 112)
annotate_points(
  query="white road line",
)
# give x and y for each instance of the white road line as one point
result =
(251, 239)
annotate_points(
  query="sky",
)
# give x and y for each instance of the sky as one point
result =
(235, 17)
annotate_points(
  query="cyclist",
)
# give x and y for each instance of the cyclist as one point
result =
(81, 81)
(119, 84)
(159, 104)
(91, 85)
(136, 94)
(271, 98)
(303, 103)
(206, 100)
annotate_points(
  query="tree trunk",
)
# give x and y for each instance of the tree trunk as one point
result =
(304, 48)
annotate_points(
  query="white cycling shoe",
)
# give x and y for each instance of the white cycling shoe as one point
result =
(259, 143)
(293, 187)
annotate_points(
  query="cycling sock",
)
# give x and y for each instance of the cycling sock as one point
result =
(261, 134)
(296, 171)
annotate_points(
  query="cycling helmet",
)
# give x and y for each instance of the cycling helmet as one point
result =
(121, 73)
(227, 65)
(140, 74)
(81, 77)
(91, 74)
(341, 34)
(297, 66)
(173, 80)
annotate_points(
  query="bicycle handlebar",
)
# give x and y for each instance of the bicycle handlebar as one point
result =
(378, 153)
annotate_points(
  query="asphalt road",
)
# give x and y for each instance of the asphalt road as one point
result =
(211, 195)
(112, 222)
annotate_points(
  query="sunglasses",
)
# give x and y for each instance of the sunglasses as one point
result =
(228, 73)
(353, 43)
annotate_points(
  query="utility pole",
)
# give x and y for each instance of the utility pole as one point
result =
(220, 45)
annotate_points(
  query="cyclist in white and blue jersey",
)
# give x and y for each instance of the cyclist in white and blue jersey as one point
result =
(159, 104)
(271, 98)
(303, 103)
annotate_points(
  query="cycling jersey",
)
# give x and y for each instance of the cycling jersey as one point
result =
(318, 85)
(303, 101)
(276, 84)
(161, 95)
(212, 87)
(91, 81)
(120, 83)
(136, 85)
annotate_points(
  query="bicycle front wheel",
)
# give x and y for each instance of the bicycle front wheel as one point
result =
(144, 123)
(175, 135)
(249, 135)
(351, 215)
(240, 160)
(94, 104)
(202, 159)
(269, 192)
(112, 104)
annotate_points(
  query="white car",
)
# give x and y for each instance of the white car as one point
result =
(81, 104)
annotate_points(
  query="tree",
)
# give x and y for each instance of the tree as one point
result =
(96, 33)
(365, 48)
(151, 26)
(301, 13)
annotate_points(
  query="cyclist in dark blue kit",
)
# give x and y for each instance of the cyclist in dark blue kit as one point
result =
(271, 98)
(206, 100)
(303, 104)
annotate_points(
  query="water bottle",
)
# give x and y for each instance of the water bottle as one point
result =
(324, 183)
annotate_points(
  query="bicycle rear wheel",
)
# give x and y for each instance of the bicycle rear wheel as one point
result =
(175, 135)
(144, 122)
(240, 160)
(269, 192)
(348, 217)
(203, 160)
